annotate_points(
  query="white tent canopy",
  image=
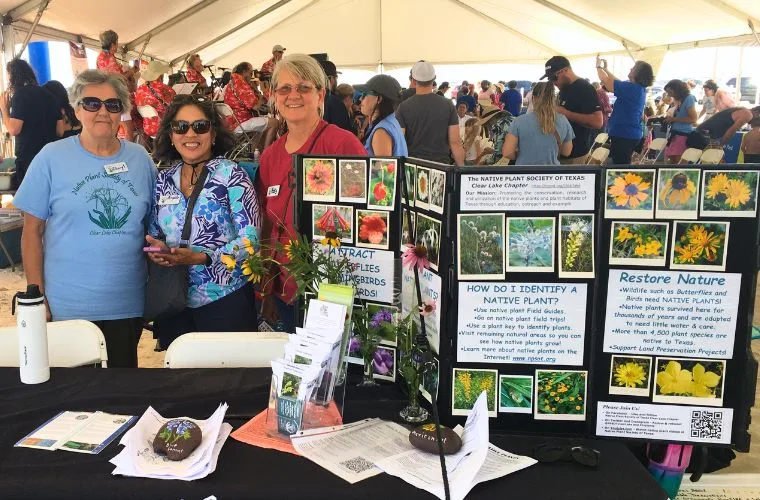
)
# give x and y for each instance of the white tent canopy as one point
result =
(391, 33)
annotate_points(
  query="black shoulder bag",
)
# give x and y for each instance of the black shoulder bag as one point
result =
(166, 291)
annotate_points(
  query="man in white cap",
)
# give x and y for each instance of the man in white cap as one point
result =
(429, 121)
(268, 67)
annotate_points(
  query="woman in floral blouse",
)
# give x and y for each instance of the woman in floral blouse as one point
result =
(155, 93)
(225, 222)
(194, 73)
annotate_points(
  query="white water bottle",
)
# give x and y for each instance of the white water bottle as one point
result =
(32, 335)
(256, 154)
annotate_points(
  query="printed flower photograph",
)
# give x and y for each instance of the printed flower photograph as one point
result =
(382, 184)
(630, 375)
(430, 377)
(515, 394)
(423, 185)
(387, 330)
(695, 381)
(384, 363)
(290, 385)
(677, 190)
(319, 179)
(638, 243)
(576, 246)
(699, 245)
(353, 181)
(531, 244)
(437, 190)
(428, 235)
(468, 384)
(333, 222)
(730, 191)
(481, 246)
(561, 395)
(411, 178)
(630, 192)
(372, 228)
(407, 233)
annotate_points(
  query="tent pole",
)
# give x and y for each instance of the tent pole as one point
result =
(8, 46)
(738, 91)
(37, 18)
(380, 23)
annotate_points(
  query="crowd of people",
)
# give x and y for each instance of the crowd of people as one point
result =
(94, 199)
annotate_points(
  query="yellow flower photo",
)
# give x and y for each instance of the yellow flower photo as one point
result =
(677, 193)
(630, 193)
(689, 381)
(730, 193)
(638, 243)
(699, 245)
(630, 375)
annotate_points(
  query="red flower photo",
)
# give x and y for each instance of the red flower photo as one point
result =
(372, 228)
(319, 179)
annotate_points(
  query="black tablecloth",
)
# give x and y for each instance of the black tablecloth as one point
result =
(246, 471)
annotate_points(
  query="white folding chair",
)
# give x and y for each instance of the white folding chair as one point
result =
(691, 155)
(657, 145)
(244, 141)
(712, 156)
(225, 350)
(599, 141)
(70, 343)
(599, 156)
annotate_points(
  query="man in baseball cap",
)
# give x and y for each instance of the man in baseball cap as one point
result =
(429, 122)
(268, 67)
(579, 103)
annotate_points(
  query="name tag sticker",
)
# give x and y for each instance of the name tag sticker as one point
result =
(273, 191)
(168, 199)
(116, 168)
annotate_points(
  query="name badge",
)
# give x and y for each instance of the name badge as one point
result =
(273, 191)
(168, 199)
(116, 168)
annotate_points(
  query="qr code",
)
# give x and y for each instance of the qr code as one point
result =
(357, 464)
(706, 424)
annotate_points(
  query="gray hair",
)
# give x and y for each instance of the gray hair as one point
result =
(108, 38)
(98, 77)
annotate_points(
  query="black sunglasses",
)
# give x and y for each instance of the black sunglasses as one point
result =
(93, 104)
(583, 455)
(182, 126)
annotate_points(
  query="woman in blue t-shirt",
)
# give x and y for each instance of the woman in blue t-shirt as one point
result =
(683, 120)
(625, 123)
(380, 98)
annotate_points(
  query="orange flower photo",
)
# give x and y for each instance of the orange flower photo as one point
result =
(372, 229)
(629, 194)
(319, 179)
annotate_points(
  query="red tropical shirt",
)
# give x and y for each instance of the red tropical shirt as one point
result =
(108, 63)
(195, 77)
(268, 67)
(160, 99)
(240, 97)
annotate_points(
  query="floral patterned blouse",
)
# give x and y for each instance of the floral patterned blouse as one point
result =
(268, 67)
(160, 98)
(225, 214)
(193, 76)
(240, 97)
(108, 63)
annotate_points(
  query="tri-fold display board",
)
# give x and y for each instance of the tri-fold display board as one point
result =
(584, 300)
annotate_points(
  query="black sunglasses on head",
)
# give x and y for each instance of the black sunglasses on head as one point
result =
(93, 104)
(182, 126)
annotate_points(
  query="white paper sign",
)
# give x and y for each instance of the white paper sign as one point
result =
(373, 272)
(664, 422)
(528, 192)
(691, 314)
(430, 288)
(543, 323)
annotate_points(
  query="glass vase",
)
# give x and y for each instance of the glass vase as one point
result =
(368, 379)
(413, 413)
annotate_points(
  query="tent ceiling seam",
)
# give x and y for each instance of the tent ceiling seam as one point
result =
(170, 23)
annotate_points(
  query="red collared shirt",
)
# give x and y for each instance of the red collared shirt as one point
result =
(160, 102)
(268, 67)
(240, 97)
(108, 63)
(195, 77)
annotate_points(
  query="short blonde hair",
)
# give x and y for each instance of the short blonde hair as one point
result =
(305, 67)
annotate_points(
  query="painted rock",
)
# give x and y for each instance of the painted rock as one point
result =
(423, 437)
(177, 439)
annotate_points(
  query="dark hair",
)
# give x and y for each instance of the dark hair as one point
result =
(62, 98)
(226, 77)
(223, 142)
(644, 74)
(384, 108)
(677, 89)
(242, 67)
(20, 74)
(710, 84)
(512, 84)
(465, 90)
(755, 121)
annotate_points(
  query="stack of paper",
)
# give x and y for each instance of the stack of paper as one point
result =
(139, 460)
(79, 431)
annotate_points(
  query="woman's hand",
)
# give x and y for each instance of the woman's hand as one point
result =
(5, 99)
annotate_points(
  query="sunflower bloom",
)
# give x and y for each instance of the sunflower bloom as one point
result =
(737, 193)
(629, 190)
(674, 380)
(320, 178)
(331, 239)
(708, 242)
(229, 262)
(687, 254)
(629, 375)
(717, 185)
(248, 271)
(704, 382)
(248, 246)
(678, 190)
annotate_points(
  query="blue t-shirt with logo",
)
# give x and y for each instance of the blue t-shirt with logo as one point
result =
(95, 227)
(625, 121)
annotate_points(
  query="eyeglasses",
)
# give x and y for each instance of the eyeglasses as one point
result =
(93, 104)
(301, 88)
(182, 126)
(583, 455)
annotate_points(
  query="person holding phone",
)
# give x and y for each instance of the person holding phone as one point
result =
(86, 201)
(225, 221)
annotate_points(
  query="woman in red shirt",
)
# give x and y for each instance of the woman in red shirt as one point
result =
(298, 84)
(109, 41)
(155, 93)
(195, 70)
